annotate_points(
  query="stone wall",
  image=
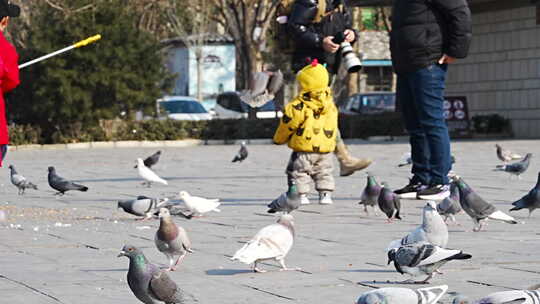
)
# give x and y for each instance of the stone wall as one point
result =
(502, 73)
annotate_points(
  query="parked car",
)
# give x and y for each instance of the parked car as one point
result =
(369, 103)
(229, 105)
(182, 108)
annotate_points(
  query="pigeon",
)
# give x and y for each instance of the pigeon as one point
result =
(511, 297)
(432, 231)
(151, 160)
(20, 181)
(517, 168)
(149, 283)
(505, 155)
(477, 208)
(262, 88)
(61, 184)
(406, 160)
(389, 203)
(460, 299)
(148, 175)
(396, 295)
(242, 153)
(171, 240)
(531, 200)
(423, 259)
(450, 206)
(271, 242)
(141, 206)
(199, 205)
(287, 201)
(371, 193)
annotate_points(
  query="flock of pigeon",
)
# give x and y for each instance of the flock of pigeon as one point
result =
(422, 252)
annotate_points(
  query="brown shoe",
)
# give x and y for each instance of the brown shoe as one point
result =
(347, 163)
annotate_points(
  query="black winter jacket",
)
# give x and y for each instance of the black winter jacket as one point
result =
(424, 30)
(308, 36)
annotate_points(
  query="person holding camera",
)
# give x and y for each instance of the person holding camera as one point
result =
(9, 70)
(318, 27)
(427, 36)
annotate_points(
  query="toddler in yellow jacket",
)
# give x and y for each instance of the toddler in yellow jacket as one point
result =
(309, 126)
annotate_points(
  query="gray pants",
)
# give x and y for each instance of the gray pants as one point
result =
(306, 166)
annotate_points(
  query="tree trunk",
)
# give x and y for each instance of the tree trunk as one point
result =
(200, 62)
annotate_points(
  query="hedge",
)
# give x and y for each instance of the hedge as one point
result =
(351, 126)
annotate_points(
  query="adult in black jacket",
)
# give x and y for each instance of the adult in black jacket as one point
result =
(312, 25)
(426, 36)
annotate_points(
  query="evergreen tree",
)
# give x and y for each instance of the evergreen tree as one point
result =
(115, 77)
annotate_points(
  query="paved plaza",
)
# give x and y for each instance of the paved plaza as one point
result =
(64, 250)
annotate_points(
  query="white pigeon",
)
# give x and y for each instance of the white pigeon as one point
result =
(272, 242)
(199, 205)
(511, 297)
(397, 295)
(148, 175)
(433, 230)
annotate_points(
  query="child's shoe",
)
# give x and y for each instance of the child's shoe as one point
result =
(325, 198)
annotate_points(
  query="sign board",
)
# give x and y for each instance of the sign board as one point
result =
(456, 114)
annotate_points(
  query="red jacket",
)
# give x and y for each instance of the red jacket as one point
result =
(9, 79)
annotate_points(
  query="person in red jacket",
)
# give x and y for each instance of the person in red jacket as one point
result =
(9, 70)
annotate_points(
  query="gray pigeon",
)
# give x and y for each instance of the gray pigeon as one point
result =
(149, 283)
(242, 153)
(397, 295)
(512, 297)
(287, 201)
(20, 181)
(450, 206)
(531, 200)
(389, 203)
(151, 160)
(423, 259)
(477, 208)
(433, 230)
(371, 193)
(141, 206)
(171, 240)
(505, 155)
(262, 88)
(517, 168)
(61, 184)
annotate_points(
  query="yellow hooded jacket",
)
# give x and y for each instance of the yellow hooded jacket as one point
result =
(310, 121)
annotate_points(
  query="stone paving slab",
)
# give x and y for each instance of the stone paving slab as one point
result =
(63, 250)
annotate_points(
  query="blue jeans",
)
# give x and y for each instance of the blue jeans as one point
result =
(421, 96)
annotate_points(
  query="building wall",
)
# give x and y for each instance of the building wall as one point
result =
(502, 72)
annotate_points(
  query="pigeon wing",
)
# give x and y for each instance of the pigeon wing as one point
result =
(165, 289)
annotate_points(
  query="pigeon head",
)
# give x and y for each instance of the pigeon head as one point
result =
(372, 298)
(158, 152)
(11, 167)
(130, 251)
(243, 143)
(391, 255)
(460, 299)
(184, 194)
(430, 206)
(528, 156)
(140, 162)
(164, 213)
(51, 169)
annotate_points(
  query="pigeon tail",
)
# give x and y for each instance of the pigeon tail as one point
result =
(501, 216)
(518, 205)
(80, 187)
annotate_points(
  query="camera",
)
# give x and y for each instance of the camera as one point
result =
(351, 62)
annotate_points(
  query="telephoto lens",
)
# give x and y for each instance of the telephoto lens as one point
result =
(351, 62)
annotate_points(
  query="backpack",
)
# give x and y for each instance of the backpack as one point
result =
(280, 34)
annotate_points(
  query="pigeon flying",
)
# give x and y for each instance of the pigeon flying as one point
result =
(61, 184)
(286, 202)
(242, 153)
(505, 155)
(149, 283)
(20, 181)
(272, 242)
(530, 201)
